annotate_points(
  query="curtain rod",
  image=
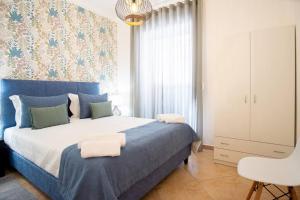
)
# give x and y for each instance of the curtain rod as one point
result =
(173, 4)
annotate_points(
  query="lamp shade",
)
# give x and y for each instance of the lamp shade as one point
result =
(133, 12)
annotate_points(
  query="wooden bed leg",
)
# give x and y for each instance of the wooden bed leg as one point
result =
(186, 161)
(259, 190)
(252, 189)
(292, 192)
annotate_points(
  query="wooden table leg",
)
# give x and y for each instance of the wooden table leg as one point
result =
(251, 190)
(290, 193)
(293, 195)
(259, 191)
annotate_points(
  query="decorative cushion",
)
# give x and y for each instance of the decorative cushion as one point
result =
(85, 100)
(101, 109)
(37, 102)
(49, 116)
(74, 106)
(17, 105)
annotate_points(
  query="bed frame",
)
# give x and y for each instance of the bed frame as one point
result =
(39, 177)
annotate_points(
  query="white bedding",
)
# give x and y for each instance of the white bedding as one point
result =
(45, 146)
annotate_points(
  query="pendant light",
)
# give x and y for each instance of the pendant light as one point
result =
(133, 12)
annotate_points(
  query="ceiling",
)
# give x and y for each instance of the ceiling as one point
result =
(160, 3)
(107, 7)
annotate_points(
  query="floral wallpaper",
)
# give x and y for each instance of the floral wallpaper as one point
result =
(56, 40)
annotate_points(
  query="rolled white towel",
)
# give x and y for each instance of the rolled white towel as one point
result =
(90, 149)
(170, 118)
(121, 137)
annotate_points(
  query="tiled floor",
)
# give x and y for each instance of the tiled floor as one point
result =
(200, 179)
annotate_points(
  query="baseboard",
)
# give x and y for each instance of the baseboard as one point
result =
(209, 147)
(225, 163)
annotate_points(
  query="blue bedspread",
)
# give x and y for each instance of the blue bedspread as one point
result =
(105, 178)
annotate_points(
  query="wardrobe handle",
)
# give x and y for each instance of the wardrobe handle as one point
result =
(254, 99)
(245, 100)
(223, 143)
(224, 155)
(279, 152)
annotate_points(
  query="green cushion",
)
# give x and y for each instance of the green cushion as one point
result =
(102, 109)
(49, 116)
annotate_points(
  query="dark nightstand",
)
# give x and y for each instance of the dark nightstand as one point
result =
(3, 158)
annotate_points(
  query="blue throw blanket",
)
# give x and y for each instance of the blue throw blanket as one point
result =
(105, 178)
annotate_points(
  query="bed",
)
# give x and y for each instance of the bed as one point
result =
(49, 159)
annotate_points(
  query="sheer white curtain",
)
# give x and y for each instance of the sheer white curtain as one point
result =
(165, 67)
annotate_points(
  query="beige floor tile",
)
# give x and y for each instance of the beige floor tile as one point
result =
(202, 170)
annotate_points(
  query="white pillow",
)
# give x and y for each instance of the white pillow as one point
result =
(17, 104)
(74, 106)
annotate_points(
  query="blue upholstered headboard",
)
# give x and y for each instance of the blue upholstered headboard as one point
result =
(10, 87)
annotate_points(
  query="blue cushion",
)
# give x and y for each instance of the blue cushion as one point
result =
(85, 100)
(37, 102)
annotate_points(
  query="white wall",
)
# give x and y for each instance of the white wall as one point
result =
(297, 11)
(106, 8)
(225, 18)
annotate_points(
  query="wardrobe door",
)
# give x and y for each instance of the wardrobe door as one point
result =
(273, 85)
(232, 97)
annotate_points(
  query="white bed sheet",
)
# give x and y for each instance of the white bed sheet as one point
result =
(45, 146)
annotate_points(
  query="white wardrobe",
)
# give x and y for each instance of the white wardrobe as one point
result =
(255, 95)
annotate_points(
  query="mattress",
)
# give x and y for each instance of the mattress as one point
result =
(45, 146)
